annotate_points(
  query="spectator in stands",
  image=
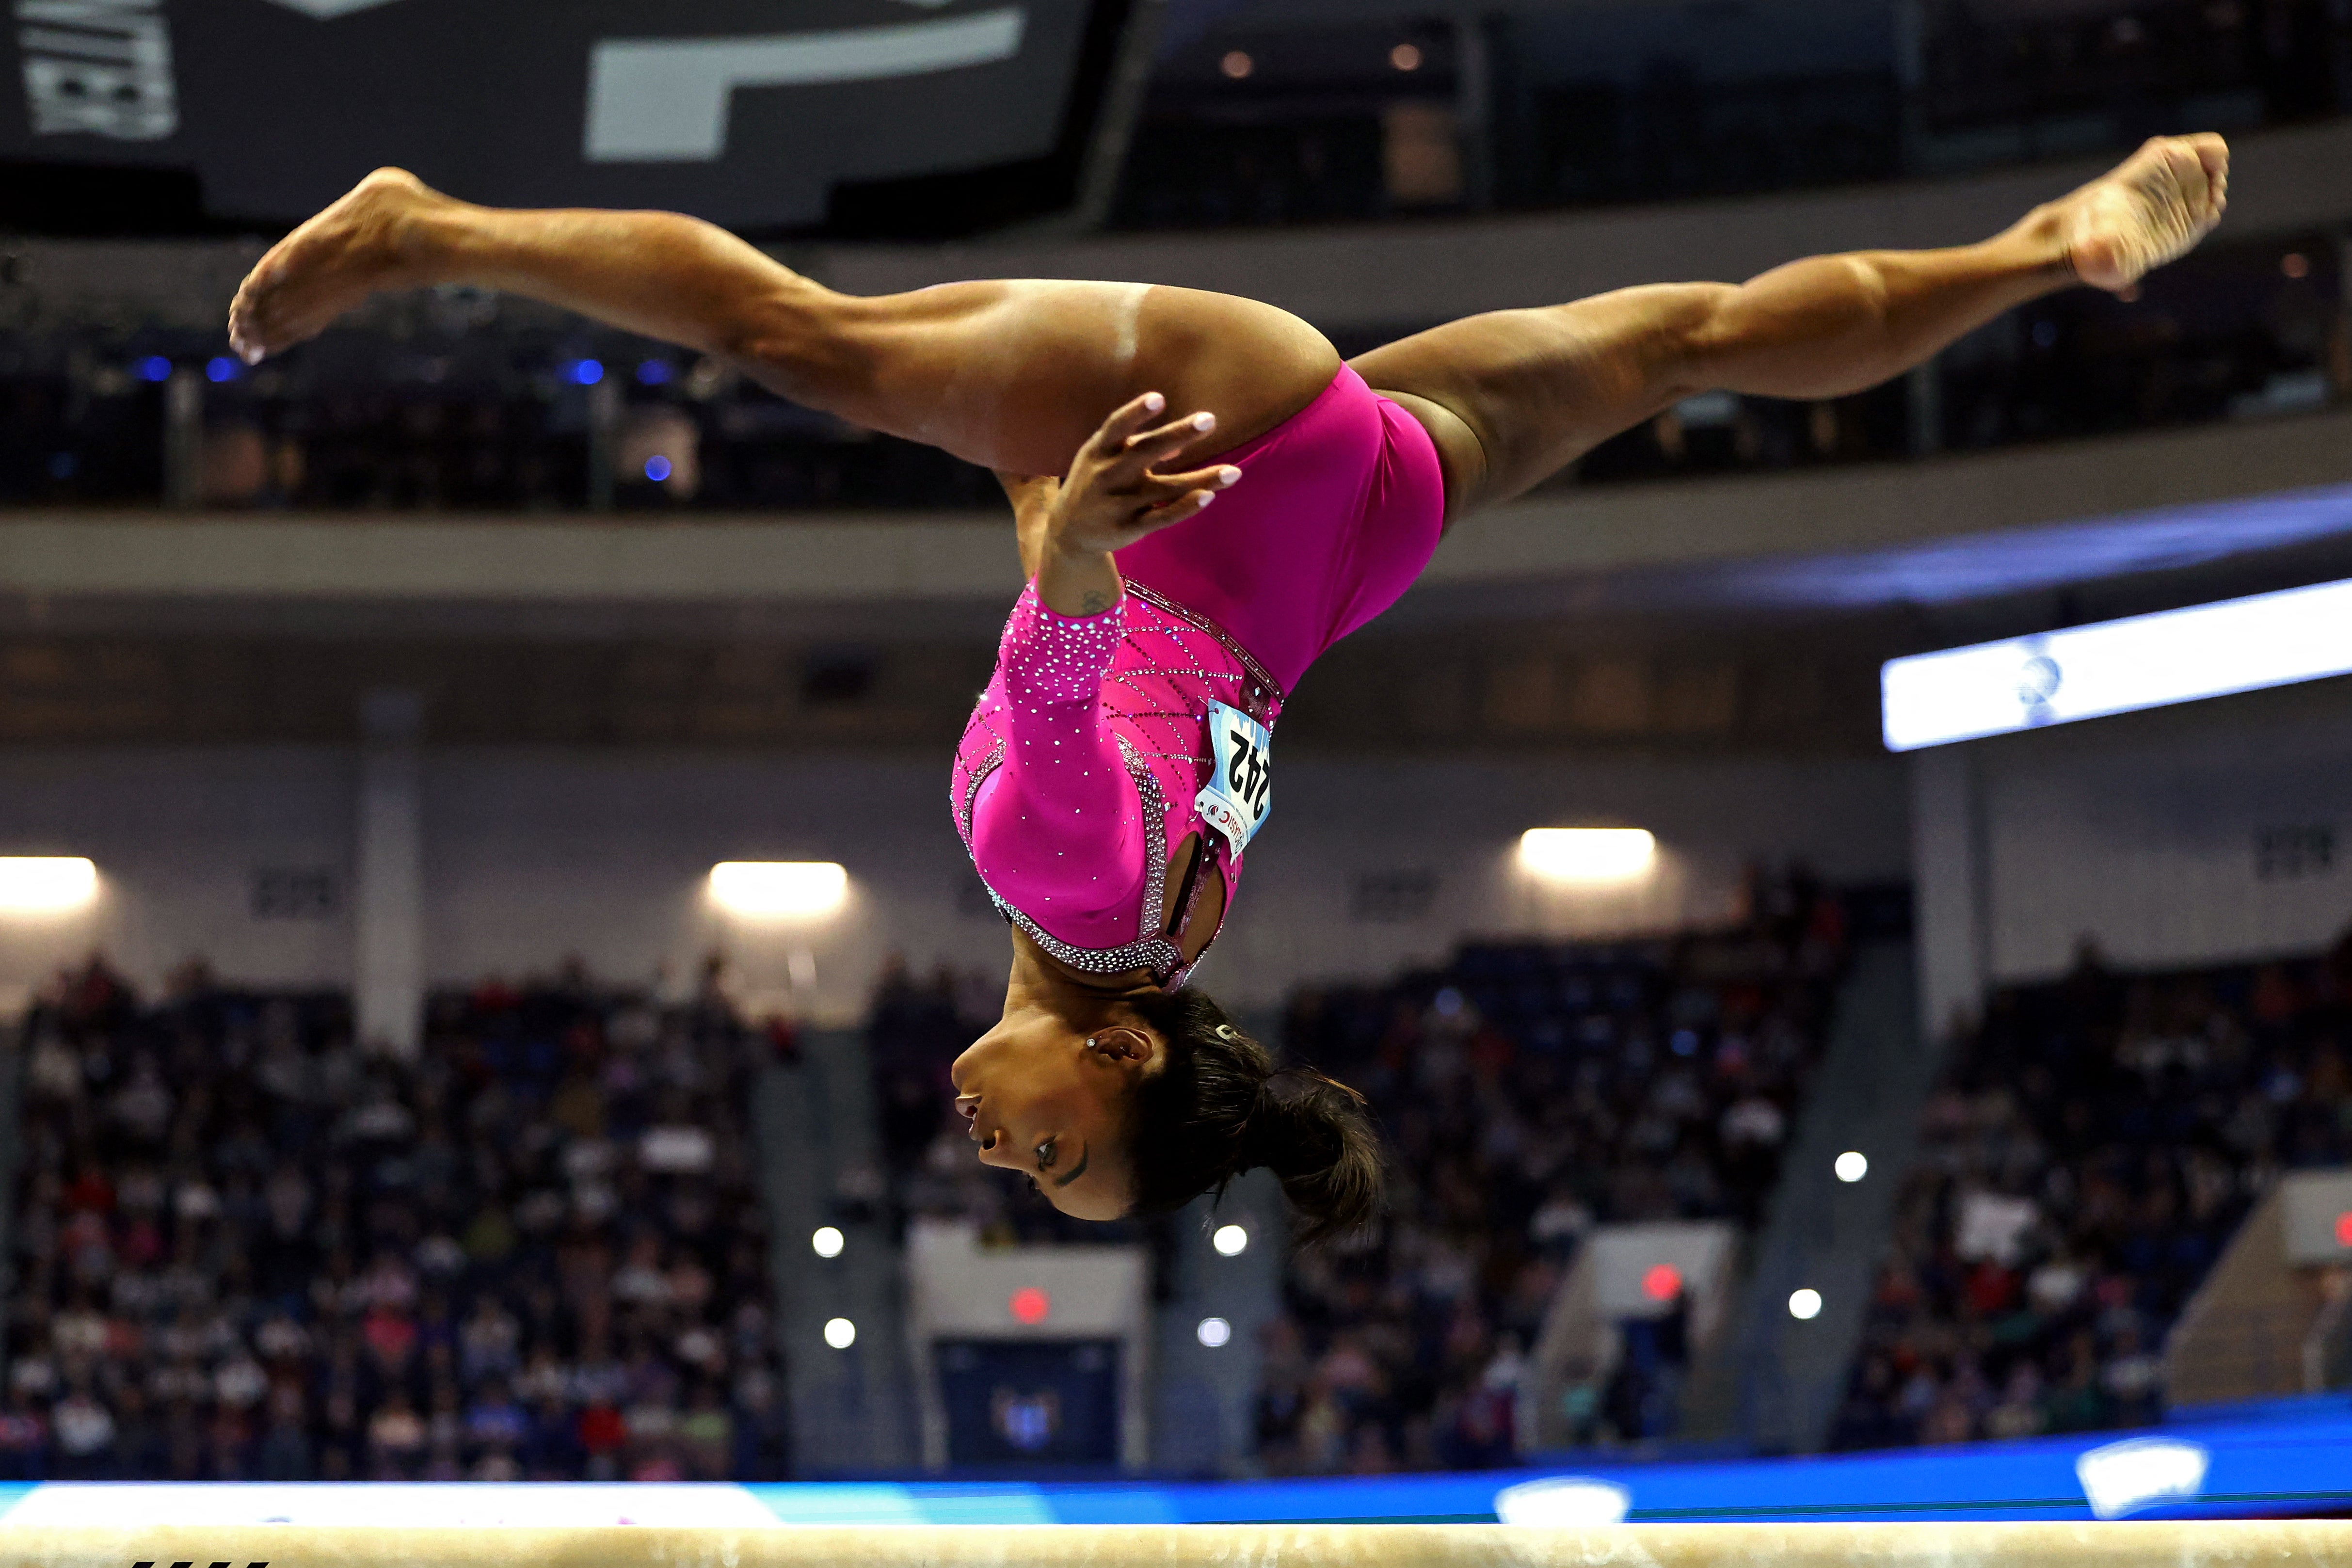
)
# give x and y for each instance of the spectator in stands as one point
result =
(1532, 1092)
(2095, 1145)
(248, 1249)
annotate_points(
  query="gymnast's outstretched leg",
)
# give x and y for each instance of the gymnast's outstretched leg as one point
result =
(1514, 397)
(1012, 375)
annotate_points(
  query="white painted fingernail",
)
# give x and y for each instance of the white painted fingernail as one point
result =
(1153, 403)
(1204, 421)
(1229, 476)
(253, 356)
(1207, 497)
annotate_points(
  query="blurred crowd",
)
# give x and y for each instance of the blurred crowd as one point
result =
(246, 1247)
(493, 417)
(499, 421)
(2092, 1149)
(1530, 1092)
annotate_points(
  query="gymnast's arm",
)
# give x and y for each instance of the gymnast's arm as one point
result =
(1058, 829)
(1064, 813)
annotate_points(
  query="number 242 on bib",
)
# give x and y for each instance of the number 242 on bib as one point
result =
(1240, 793)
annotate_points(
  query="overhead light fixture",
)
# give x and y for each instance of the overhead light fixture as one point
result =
(2117, 666)
(778, 887)
(46, 884)
(1587, 854)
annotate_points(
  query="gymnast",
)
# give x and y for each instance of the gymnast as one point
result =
(1184, 572)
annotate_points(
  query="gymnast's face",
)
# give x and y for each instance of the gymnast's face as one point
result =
(1051, 1102)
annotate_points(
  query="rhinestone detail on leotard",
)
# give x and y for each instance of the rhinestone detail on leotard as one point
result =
(1159, 663)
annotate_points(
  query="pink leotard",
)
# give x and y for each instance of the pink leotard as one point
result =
(1076, 778)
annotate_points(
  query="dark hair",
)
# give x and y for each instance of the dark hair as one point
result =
(1219, 1106)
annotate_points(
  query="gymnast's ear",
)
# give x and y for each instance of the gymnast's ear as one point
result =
(1129, 1046)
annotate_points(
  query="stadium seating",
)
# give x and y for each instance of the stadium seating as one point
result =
(1533, 1091)
(2095, 1142)
(247, 1249)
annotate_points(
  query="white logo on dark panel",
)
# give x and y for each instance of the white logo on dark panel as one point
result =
(665, 101)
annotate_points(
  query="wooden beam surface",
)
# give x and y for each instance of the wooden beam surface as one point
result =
(1965, 1546)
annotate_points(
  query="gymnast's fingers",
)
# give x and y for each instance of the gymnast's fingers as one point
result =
(1148, 448)
(1153, 519)
(1110, 442)
(1162, 489)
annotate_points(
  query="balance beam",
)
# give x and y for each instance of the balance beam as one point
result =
(2204, 1544)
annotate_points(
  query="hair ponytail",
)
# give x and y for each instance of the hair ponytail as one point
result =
(1219, 1107)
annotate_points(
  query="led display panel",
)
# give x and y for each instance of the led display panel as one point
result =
(750, 112)
(2117, 666)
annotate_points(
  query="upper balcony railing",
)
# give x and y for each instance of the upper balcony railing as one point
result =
(470, 404)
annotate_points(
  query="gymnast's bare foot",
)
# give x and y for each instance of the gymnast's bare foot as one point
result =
(2151, 209)
(363, 245)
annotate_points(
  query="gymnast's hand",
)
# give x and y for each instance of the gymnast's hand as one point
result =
(1115, 493)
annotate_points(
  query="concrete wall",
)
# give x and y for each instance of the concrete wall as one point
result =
(2187, 839)
(2171, 837)
(2204, 833)
(531, 855)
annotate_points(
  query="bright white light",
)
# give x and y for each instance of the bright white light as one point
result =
(1852, 1166)
(2117, 666)
(840, 1333)
(1805, 1305)
(1230, 1241)
(1563, 1502)
(1215, 1333)
(826, 1242)
(2123, 1477)
(46, 884)
(778, 887)
(1587, 854)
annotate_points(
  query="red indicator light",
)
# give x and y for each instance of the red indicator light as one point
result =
(1030, 1305)
(2343, 1228)
(1664, 1282)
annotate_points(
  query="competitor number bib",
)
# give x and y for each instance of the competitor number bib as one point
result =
(1240, 792)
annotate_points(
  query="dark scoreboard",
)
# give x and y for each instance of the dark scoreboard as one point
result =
(765, 115)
